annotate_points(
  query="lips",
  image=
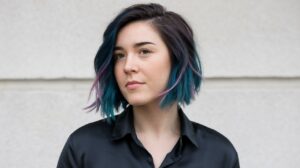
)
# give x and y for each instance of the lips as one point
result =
(133, 82)
(132, 85)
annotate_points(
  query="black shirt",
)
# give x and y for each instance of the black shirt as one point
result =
(103, 145)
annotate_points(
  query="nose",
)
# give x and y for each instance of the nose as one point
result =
(130, 64)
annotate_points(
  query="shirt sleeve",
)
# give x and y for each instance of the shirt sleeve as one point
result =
(236, 163)
(67, 157)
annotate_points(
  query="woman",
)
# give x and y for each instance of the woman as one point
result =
(147, 64)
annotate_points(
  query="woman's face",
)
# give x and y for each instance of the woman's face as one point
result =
(142, 63)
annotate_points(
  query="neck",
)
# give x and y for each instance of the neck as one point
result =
(153, 120)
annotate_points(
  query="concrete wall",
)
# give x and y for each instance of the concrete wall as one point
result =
(250, 52)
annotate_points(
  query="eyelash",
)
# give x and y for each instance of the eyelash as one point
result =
(145, 50)
(116, 56)
(142, 52)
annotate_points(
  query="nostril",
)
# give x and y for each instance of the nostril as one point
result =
(130, 68)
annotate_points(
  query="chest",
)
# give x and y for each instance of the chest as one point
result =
(130, 153)
(159, 148)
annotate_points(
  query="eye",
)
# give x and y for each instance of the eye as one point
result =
(118, 56)
(144, 51)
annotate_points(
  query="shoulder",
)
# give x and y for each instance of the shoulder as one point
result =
(213, 140)
(92, 129)
(94, 132)
(85, 141)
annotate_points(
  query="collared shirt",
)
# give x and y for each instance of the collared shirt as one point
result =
(105, 145)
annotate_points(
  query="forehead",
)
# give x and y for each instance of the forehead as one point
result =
(136, 32)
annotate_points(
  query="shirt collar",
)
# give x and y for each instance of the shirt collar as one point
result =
(124, 125)
(187, 127)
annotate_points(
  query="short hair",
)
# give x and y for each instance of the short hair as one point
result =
(186, 73)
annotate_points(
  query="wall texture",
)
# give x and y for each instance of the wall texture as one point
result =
(250, 52)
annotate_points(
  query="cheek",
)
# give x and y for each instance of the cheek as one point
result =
(161, 65)
(160, 74)
(118, 74)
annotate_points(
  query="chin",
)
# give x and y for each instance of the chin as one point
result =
(137, 100)
(141, 102)
(137, 103)
(140, 99)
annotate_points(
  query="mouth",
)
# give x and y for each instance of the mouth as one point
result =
(133, 84)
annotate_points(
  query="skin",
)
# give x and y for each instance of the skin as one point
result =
(141, 55)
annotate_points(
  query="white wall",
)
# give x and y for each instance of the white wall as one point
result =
(250, 52)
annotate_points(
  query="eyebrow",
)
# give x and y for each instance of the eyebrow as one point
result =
(136, 45)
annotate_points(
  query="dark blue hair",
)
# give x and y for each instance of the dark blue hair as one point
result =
(186, 73)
